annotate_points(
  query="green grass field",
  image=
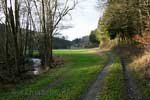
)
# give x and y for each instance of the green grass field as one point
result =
(80, 68)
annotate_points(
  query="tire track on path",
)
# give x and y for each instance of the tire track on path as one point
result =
(131, 89)
(92, 92)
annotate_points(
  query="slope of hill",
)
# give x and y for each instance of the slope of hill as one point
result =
(59, 43)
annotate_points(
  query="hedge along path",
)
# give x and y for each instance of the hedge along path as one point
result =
(92, 92)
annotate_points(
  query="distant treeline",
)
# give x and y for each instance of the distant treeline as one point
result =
(61, 43)
(84, 42)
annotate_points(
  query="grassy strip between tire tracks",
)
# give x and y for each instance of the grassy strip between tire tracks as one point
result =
(113, 88)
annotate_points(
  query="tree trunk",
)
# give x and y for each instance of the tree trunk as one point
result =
(51, 47)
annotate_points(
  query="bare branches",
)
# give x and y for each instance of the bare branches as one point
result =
(64, 12)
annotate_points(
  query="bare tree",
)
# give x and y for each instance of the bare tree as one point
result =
(52, 13)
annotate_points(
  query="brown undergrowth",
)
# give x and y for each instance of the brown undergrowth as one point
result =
(141, 71)
(138, 59)
(142, 64)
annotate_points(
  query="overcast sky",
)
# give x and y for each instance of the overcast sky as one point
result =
(84, 19)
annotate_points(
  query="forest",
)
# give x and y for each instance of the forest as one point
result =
(112, 63)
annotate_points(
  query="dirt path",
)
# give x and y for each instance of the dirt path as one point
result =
(132, 92)
(92, 92)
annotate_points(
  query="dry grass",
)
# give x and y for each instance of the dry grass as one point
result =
(142, 64)
(108, 44)
(93, 50)
(141, 68)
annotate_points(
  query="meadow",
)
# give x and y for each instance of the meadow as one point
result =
(69, 80)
